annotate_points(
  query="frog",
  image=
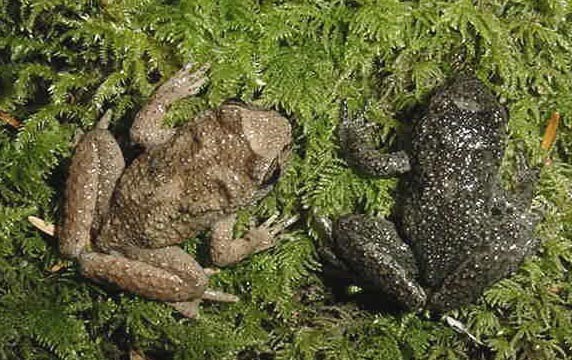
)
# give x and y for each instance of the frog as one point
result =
(454, 229)
(123, 223)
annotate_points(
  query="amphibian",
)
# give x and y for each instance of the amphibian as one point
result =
(123, 224)
(455, 230)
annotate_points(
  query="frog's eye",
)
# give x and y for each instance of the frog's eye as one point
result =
(272, 175)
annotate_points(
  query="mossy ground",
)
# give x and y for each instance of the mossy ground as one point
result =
(63, 62)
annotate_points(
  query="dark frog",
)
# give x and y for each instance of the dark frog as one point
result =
(456, 229)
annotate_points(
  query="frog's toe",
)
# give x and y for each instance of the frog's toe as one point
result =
(215, 295)
(189, 309)
(276, 225)
(211, 271)
(42, 225)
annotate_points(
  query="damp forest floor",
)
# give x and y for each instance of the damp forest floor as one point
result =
(63, 63)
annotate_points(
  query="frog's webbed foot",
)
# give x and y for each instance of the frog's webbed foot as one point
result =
(147, 129)
(95, 168)
(225, 250)
(376, 254)
(358, 143)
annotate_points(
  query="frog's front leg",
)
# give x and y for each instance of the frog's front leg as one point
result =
(225, 250)
(359, 147)
(147, 129)
(373, 250)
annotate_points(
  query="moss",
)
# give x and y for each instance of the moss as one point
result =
(63, 62)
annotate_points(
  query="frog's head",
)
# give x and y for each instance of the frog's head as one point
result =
(269, 137)
(470, 114)
(466, 93)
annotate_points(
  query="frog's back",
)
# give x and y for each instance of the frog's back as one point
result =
(181, 187)
(456, 152)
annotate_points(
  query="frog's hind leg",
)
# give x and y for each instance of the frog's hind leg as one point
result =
(95, 168)
(508, 242)
(166, 274)
(375, 252)
(509, 239)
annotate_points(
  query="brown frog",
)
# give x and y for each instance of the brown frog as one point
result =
(122, 224)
